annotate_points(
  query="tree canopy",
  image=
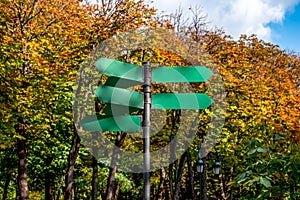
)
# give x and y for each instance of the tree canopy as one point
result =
(43, 43)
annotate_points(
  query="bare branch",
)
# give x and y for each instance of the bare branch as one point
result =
(30, 16)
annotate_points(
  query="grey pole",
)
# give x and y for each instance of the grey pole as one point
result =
(147, 75)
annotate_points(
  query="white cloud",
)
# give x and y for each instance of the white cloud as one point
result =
(237, 16)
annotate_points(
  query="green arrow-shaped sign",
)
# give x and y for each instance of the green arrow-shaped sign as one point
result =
(116, 110)
(111, 123)
(121, 102)
(134, 99)
(119, 96)
(181, 74)
(121, 82)
(119, 69)
(160, 74)
(181, 101)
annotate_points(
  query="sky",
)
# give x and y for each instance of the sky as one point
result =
(276, 21)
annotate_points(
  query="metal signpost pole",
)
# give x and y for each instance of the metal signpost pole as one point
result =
(147, 74)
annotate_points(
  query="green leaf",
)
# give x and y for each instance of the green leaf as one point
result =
(277, 137)
(243, 177)
(262, 150)
(265, 182)
(249, 172)
(252, 152)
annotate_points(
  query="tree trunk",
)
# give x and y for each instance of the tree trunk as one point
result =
(224, 194)
(178, 173)
(75, 189)
(179, 176)
(111, 180)
(117, 190)
(22, 169)
(17, 190)
(58, 194)
(95, 158)
(171, 180)
(48, 186)
(203, 184)
(190, 189)
(5, 189)
(71, 163)
(173, 172)
(48, 180)
(167, 190)
(113, 166)
(94, 179)
(161, 188)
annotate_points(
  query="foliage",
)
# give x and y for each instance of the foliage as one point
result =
(262, 121)
(42, 44)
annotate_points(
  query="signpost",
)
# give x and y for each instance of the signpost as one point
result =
(114, 92)
(147, 77)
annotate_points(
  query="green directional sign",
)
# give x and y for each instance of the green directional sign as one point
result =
(181, 101)
(116, 110)
(108, 123)
(119, 69)
(119, 96)
(121, 82)
(131, 72)
(130, 98)
(122, 102)
(181, 74)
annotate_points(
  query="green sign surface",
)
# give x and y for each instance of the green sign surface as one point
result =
(121, 82)
(180, 101)
(119, 69)
(159, 74)
(181, 74)
(119, 96)
(132, 98)
(130, 123)
(122, 102)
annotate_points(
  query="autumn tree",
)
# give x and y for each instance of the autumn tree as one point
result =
(42, 46)
(262, 121)
(261, 84)
(41, 42)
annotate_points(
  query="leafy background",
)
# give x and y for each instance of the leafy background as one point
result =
(43, 44)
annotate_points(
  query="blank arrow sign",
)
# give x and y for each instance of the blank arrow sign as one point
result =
(181, 101)
(181, 74)
(119, 69)
(131, 123)
(119, 96)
